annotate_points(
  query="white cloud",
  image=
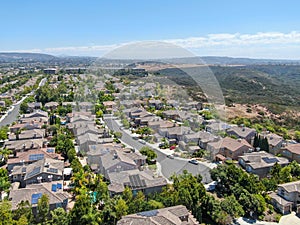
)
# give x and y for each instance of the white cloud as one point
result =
(259, 45)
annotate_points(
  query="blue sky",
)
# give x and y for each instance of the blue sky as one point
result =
(259, 29)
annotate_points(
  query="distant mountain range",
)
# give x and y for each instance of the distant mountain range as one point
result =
(25, 57)
(211, 60)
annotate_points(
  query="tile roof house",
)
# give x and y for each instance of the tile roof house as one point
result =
(38, 113)
(175, 132)
(130, 103)
(228, 148)
(24, 145)
(34, 106)
(136, 180)
(110, 106)
(33, 120)
(112, 159)
(27, 157)
(43, 170)
(215, 127)
(57, 197)
(275, 142)
(292, 152)
(51, 105)
(175, 215)
(33, 124)
(242, 132)
(27, 134)
(157, 104)
(287, 197)
(260, 163)
(87, 139)
(157, 124)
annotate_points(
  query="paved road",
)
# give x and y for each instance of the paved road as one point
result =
(12, 114)
(168, 166)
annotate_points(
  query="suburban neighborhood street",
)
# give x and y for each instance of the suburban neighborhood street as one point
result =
(168, 166)
(13, 113)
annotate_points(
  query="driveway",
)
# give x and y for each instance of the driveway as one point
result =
(168, 166)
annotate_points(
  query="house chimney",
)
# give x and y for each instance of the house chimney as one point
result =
(115, 155)
(39, 179)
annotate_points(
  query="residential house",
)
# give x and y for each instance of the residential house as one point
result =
(86, 106)
(25, 145)
(43, 170)
(38, 113)
(176, 133)
(27, 134)
(115, 161)
(130, 103)
(292, 152)
(157, 104)
(2, 104)
(171, 215)
(228, 148)
(242, 132)
(110, 106)
(172, 103)
(51, 105)
(26, 126)
(260, 163)
(158, 124)
(205, 138)
(85, 140)
(33, 120)
(32, 106)
(215, 127)
(275, 142)
(287, 198)
(193, 105)
(54, 190)
(136, 180)
(31, 156)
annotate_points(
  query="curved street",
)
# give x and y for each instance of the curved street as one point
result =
(168, 166)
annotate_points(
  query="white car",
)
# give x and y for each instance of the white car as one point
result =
(142, 141)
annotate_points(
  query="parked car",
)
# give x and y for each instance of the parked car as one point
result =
(170, 156)
(172, 147)
(142, 141)
(194, 161)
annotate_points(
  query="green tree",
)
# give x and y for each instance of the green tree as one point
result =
(43, 209)
(5, 153)
(4, 181)
(121, 208)
(232, 207)
(118, 135)
(24, 210)
(59, 217)
(147, 151)
(5, 213)
(3, 133)
(297, 135)
(82, 212)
